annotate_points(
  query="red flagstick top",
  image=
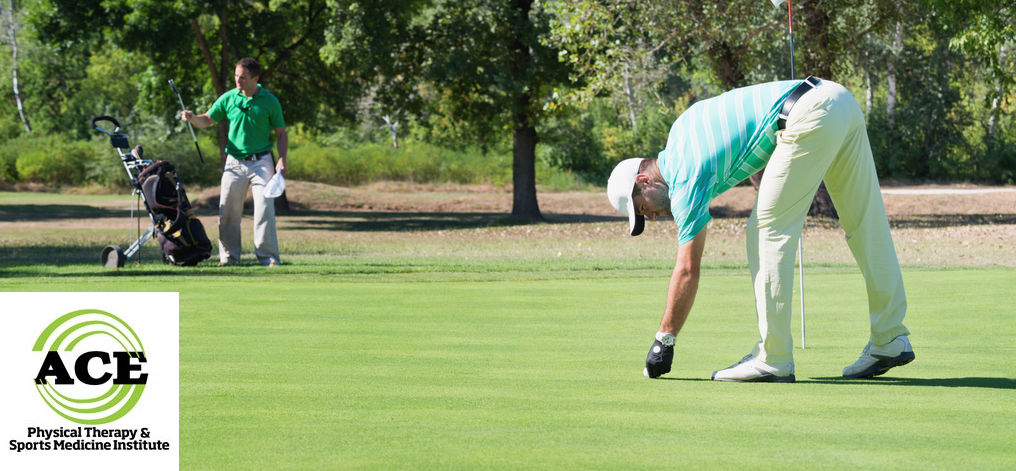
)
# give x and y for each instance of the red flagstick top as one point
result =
(790, 17)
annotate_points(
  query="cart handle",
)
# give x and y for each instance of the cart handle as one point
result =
(106, 118)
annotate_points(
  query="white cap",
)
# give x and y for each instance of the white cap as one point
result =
(275, 186)
(619, 188)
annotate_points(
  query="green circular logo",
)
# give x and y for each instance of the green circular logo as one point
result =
(91, 373)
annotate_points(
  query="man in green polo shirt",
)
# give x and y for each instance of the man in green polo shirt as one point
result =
(253, 114)
(803, 133)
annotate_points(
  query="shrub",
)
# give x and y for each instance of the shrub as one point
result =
(51, 159)
(414, 162)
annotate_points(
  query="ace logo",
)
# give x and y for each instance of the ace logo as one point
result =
(91, 380)
(107, 378)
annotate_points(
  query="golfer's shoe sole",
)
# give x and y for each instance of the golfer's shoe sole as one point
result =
(765, 378)
(883, 364)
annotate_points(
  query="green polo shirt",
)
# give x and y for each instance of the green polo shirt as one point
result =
(717, 143)
(251, 120)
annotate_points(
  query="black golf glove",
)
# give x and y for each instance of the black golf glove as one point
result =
(660, 356)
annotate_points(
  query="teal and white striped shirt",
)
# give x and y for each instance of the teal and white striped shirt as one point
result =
(716, 144)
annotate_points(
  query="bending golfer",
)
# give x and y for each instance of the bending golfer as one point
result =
(803, 132)
(253, 113)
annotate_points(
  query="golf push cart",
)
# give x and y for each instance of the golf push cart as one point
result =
(181, 235)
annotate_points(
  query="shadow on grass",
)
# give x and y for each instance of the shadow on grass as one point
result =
(46, 212)
(21, 262)
(57, 212)
(364, 221)
(969, 382)
(934, 221)
(912, 221)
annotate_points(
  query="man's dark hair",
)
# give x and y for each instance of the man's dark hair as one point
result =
(251, 66)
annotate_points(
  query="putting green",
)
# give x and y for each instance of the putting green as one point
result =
(300, 372)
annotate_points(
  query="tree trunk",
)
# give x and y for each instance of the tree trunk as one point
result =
(890, 100)
(224, 71)
(995, 102)
(726, 64)
(525, 207)
(629, 96)
(393, 129)
(869, 93)
(816, 41)
(217, 81)
(12, 37)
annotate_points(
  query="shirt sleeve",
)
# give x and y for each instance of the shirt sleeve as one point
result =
(275, 117)
(218, 110)
(690, 194)
(691, 213)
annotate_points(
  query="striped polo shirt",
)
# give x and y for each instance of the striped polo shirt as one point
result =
(716, 144)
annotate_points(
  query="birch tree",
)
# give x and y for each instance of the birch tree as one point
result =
(11, 26)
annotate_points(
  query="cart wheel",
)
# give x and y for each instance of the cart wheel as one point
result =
(112, 257)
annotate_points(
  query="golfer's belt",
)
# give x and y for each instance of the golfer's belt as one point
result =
(250, 157)
(788, 104)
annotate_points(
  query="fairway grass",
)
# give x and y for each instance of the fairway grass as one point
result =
(285, 370)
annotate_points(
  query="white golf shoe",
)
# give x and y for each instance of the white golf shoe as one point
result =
(877, 359)
(751, 369)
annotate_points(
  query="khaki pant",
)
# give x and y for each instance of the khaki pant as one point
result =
(825, 139)
(236, 176)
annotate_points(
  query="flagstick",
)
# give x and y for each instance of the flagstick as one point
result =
(800, 241)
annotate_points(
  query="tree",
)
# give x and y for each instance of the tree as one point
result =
(502, 70)
(988, 34)
(481, 62)
(379, 48)
(196, 42)
(11, 29)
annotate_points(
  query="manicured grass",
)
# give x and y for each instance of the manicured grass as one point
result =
(395, 340)
(288, 370)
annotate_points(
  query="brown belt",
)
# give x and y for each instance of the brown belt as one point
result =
(251, 157)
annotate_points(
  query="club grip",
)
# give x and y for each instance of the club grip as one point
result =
(173, 86)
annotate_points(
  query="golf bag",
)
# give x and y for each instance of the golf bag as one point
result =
(180, 234)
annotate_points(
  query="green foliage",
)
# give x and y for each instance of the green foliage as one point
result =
(413, 162)
(591, 143)
(52, 159)
(602, 80)
(61, 160)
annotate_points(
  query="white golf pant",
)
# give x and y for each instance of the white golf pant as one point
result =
(236, 177)
(825, 139)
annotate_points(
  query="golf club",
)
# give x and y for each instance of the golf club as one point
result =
(189, 126)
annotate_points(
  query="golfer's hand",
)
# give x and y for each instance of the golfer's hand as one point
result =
(280, 166)
(658, 360)
(187, 115)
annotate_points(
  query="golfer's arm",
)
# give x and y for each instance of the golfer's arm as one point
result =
(683, 284)
(282, 142)
(202, 120)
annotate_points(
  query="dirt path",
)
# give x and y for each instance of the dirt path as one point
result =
(899, 200)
